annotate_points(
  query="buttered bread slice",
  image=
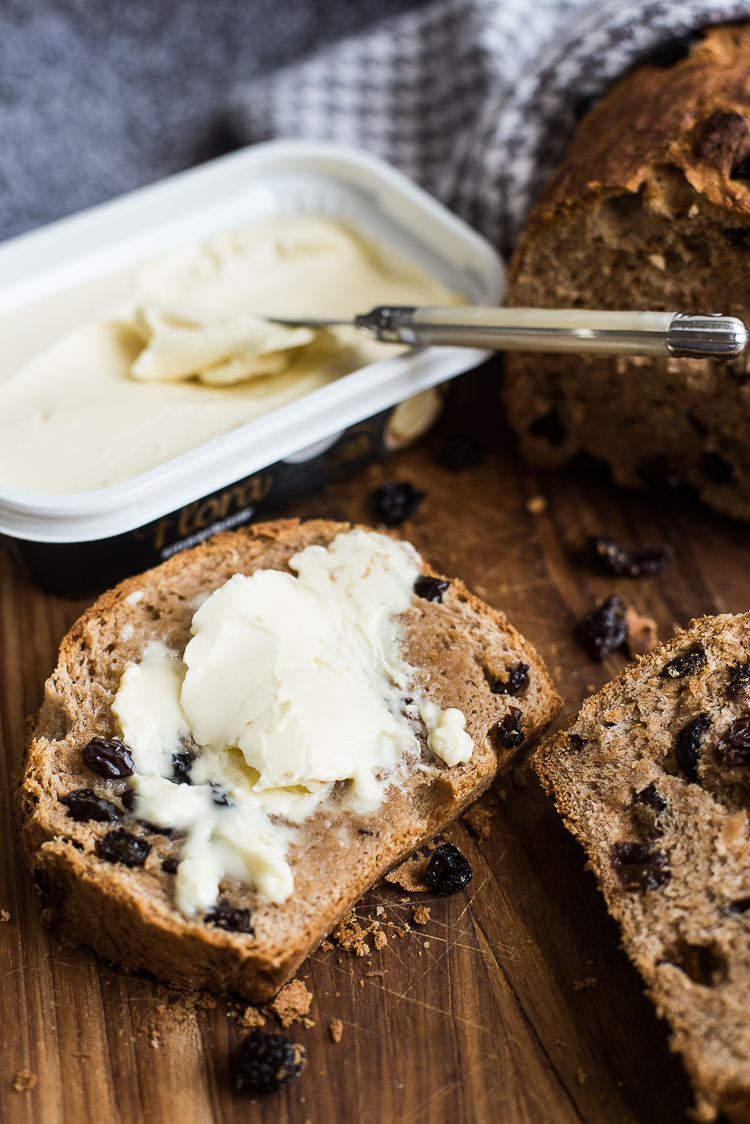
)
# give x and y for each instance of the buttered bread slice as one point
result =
(237, 744)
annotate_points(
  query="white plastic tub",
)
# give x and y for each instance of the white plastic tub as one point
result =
(86, 540)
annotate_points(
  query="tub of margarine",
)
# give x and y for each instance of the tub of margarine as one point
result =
(147, 401)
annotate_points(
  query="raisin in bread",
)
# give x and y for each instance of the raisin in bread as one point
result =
(652, 777)
(108, 880)
(650, 209)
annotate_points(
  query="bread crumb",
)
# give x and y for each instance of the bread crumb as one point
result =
(325, 946)
(535, 505)
(477, 817)
(589, 981)
(251, 1018)
(4, 915)
(336, 1029)
(292, 1003)
(24, 1081)
(421, 914)
(380, 940)
(426, 944)
(410, 874)
(379, 910)
(376, 972)
(643, 633)
(581, 1076)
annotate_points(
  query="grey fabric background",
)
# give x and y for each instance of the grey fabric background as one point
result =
(100, 96)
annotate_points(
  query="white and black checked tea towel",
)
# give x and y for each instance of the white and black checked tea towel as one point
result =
(474, 99)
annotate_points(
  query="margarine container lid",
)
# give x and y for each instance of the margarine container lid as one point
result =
(280, 177)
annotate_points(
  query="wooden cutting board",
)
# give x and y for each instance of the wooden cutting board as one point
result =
(513, 1002)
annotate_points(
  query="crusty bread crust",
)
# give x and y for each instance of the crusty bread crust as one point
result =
(458, 647)
(646, 211)
(688, 932)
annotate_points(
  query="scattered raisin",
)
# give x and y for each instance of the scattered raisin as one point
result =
(604, 629)
(515, 680)
(509, 730)
(687, 746)
(182, 763)
(688, 664)
(739, 679)
(577, 741)
(461, 451)
(170, 864)
(447, 871)
(652, 799)
(121, 846)
(637, 867)
(395, 501)
(715, 468)
(84, 805)
(227, 917)
(268, 1061)
(583, 105)
(613, 558)
(732, 749)
(430, 589)
(220, 796)
(742, 905)
(676, 49)
(549, 427)
(110, 759)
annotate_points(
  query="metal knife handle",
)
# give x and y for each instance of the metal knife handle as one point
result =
(561, 330)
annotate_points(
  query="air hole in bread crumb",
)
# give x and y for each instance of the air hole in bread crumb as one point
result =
(703, 964)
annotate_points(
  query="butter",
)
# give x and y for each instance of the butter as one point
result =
(183, 358)
(289, 686)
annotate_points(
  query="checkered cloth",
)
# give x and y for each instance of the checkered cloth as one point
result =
(474, 99)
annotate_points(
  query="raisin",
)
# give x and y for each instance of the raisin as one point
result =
(604, 629)
(430, 589)
(182, 763)
(461, 452)
(515, 680)
(128, 799)
(742, 905)
(509, 730)
(549, 427)
(84, 805)
(637, 867)
(220, 796)
(170, 864)
(687, 746)
(613, 558)
(739, 235)
(583, 105)
(577, 741)
(447, 871)
(268, 1061)
(677, 49)
(229, 918)
(688, 664)
(739, 679)
(652, 799)
(395, 501)
(42, 881)
(716, 468)
(110, 759)
(732, 749)
(121, 846)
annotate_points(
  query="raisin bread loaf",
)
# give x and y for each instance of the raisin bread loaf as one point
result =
(108, 879)
(650, 209)
(652, 777)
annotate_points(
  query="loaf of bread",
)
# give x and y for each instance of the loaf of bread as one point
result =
(650, 209)
(653, 777)
(464, 654)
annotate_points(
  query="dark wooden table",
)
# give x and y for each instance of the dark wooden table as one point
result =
(514, 1003)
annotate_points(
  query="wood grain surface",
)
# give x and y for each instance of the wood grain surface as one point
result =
(514, 1002)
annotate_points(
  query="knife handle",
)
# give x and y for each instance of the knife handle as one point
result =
(561, 330)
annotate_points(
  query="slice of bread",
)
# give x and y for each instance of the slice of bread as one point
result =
(649, 209)
(652, 777)
(460, 649)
